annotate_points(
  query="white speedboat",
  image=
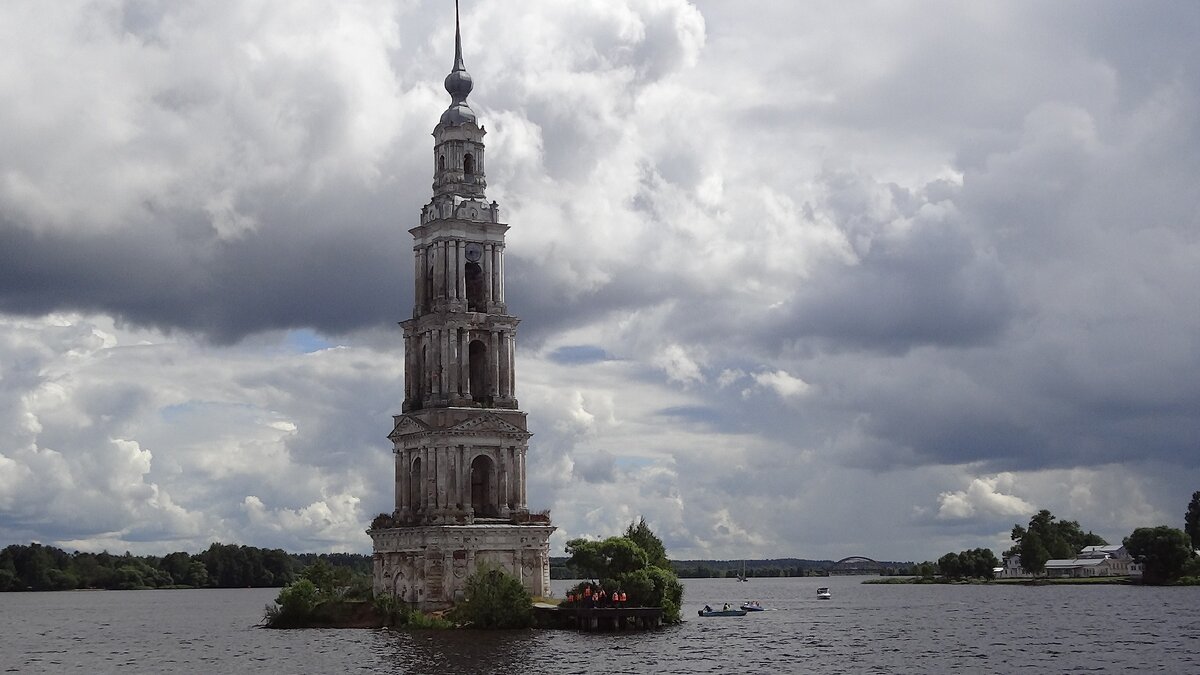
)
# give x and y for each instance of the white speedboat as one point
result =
(823, 593)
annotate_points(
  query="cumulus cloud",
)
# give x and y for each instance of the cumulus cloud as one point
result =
(983, 497)
(783, 384)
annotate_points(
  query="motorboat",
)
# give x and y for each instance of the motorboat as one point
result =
(723, 612)
(709, 611)
(823, 593)
(753, 606)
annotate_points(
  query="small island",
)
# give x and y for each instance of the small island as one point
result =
(631, 585)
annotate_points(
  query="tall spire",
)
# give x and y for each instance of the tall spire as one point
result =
(458, 84)
(458, 62)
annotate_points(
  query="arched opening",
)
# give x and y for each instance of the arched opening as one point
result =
(475, 301)
(441, 162)
(483, 490)
(477, 353)
(468, 164)
(414, 485)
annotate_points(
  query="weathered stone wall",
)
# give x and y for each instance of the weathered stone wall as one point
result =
(428, 566)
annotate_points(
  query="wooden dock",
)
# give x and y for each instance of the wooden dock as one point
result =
(590, 619)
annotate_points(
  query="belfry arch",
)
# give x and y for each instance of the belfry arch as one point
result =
(415, 481)
(477, 353)
(483, 487)
(475, 289)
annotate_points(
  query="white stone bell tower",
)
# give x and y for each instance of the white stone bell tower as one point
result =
(460, 442)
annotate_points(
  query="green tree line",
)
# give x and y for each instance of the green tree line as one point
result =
(34, 567)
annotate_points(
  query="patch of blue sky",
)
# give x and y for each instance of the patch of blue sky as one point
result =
(306, 340)
(579, 354)
(633, 462)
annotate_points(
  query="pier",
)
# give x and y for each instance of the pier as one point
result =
(599, 619)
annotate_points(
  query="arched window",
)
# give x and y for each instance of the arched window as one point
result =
(468, 164)
(483, 492)
(415, 494)
(441, 162)
(477, 354)
(475, 301)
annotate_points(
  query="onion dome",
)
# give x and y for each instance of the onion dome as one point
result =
(458, 84)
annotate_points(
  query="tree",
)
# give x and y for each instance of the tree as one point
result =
(979, 563)
(608, 559)
(656, 554)
(1045, 539)
(950, 566)
(1034, 553)
(1191, 520)
(1161, 550)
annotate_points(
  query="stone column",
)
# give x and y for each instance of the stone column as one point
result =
(418, 279)
(519, 454)
(459, 472)
(408, 368)
(427, 467)
(494, 366)
(452, 362)
(464, 363)
(443, 474)
(500, 274)
(444, 362)
(424, 381)
(503, 497)
(401, 475)
(439, 268)
(487, 275)
(461, 269)
(405, 501)
(509, 375)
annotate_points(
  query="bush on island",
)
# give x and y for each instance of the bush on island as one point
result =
(494, 599)
(323, 595)
(620, 564)
(294, 605)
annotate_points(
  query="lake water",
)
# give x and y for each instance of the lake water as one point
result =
(863, 629)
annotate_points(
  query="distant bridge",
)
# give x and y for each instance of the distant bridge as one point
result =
(856, 564)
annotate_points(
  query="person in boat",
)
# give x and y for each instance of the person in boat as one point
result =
(707, 608)
(725, 608)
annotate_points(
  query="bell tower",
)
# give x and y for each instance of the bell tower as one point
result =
(460, 441)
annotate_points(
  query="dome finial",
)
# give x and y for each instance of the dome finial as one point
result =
(458, 83)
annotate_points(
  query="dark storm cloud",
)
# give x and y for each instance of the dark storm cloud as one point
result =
(323, 268)
(928, 287)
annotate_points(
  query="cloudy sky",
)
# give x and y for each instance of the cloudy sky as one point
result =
(796, 279)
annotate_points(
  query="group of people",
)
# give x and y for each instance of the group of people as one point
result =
(598, 598)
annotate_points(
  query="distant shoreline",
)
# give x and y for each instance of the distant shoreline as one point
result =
(1087, 581)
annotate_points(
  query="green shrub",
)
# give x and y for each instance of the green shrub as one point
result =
(415, 619)
(294, 605)
(494, 599)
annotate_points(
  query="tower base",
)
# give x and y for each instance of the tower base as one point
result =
(427, 566)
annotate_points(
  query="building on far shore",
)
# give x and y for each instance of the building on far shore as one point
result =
(1092, 561)
(461, 441)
